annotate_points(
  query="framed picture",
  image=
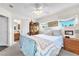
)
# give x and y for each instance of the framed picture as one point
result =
(14, 27)
(69, 32)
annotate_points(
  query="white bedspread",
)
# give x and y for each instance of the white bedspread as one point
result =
(57, 40)
(46, 44)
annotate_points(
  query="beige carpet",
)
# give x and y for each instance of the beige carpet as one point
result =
(66, 53)
(3, 47)
(15, 51)
(11, 51)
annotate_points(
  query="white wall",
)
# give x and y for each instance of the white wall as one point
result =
(63, 14)
(6, 13)
(25, 26)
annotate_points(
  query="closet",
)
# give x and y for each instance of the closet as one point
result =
(3, 30)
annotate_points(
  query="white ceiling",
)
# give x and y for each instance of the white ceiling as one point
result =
(25, 9)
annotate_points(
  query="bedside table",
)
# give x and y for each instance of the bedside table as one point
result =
(71, 44)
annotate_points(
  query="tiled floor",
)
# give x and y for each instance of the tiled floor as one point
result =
(15, 51)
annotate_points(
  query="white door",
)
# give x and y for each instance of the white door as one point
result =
(3, 30)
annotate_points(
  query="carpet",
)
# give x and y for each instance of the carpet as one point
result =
(15, 51)
(3, 47)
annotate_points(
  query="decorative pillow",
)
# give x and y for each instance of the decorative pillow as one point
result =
(49, 33)
(57, 32)
(52, 31)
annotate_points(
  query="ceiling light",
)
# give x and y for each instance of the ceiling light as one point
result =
(38, 9)
(17, 21)
(38, 12)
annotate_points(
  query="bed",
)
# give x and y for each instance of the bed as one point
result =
(41, 44)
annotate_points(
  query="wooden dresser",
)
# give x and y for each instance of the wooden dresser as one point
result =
(71, 44)
(16, 36)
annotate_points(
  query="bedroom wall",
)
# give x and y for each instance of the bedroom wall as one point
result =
(12, 16)
(63, 14)
(25, 27)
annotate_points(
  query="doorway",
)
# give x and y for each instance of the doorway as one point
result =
(3, 30)
(16, 30)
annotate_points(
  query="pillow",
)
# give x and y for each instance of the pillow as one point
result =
(57, 32)
(50, 33)
(47, 32)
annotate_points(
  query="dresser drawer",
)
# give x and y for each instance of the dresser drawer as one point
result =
(16, 36)
(72, 45)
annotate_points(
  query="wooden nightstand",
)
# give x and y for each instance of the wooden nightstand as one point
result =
(16, 36)
(71, 44)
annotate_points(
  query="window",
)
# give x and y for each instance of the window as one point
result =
(68, 23)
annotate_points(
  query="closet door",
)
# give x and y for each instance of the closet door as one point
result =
(3, 30)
